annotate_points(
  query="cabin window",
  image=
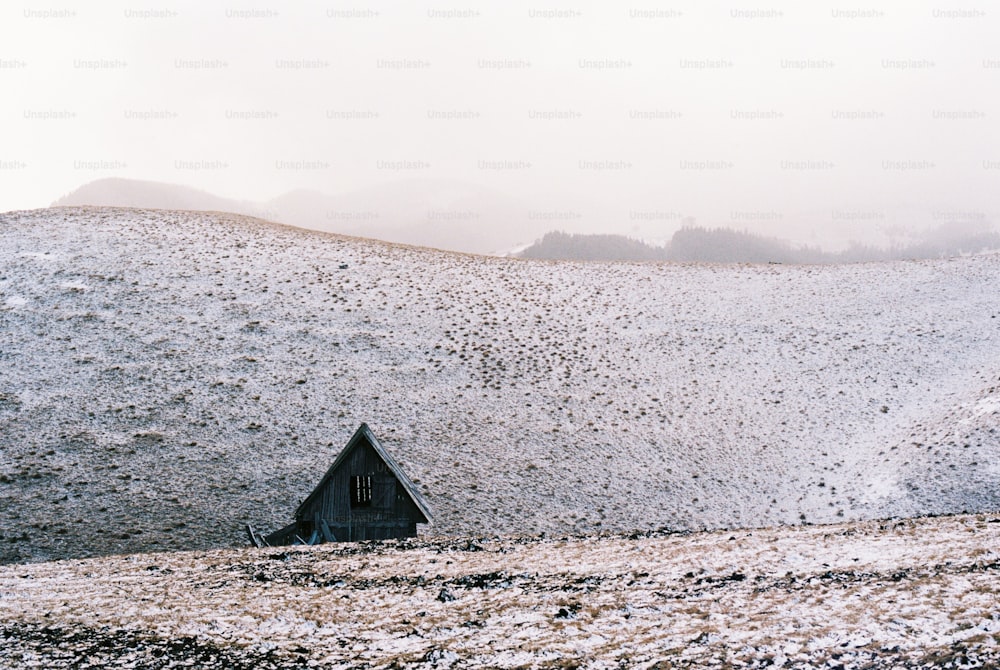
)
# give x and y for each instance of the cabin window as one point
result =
(361, 491)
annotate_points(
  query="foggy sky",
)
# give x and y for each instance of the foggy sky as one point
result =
(801, 119)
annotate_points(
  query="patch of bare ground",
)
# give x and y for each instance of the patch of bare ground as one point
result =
(879, 594)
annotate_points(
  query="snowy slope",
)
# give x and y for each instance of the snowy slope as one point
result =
(901, 593)
(167, 376)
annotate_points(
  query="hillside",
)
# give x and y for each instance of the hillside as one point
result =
(877, 595)
(166, 377)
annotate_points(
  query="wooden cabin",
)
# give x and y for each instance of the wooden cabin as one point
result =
(364, 495)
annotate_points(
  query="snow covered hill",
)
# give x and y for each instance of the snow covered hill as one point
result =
(166, 377)
(876, 595)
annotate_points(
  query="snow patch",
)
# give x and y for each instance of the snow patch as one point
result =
(983, 407)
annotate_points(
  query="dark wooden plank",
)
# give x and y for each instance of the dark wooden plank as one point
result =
(254, 540)
(327, 533)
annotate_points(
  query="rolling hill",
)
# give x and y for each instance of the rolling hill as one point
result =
(167, 376)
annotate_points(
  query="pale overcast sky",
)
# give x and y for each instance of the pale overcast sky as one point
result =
(782, 116)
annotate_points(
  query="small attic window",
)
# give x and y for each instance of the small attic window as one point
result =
(361, 491)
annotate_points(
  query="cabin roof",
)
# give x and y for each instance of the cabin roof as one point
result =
(365, 434)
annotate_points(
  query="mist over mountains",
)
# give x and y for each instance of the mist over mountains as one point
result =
(462, 216)
(723, 245)
(442, 214)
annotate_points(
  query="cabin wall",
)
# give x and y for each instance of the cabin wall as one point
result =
(360, 532)
(391, 514)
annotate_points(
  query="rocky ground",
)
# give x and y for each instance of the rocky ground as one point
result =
(880, 594)
(166, 377)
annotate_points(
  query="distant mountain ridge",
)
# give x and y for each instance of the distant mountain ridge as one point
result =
(459, 216)
(722, 245)
(117, 192)
(443, 214)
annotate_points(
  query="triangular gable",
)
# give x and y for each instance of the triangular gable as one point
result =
(364, 433)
